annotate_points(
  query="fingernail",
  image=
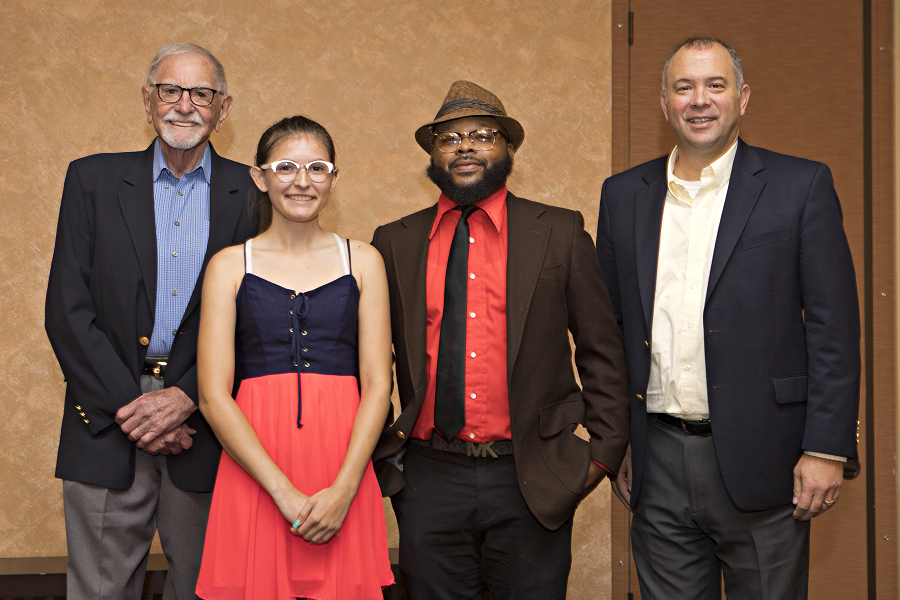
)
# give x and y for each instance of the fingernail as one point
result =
(296, 523)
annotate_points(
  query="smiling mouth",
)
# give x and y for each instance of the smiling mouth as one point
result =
(700, 120)
(299, 198)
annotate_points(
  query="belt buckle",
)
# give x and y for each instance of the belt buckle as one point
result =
(159, 369)
(482, 450)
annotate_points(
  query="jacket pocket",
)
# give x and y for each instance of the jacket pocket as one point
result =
(551, 273)
(564, 453)
(748, 242)
(790, 390)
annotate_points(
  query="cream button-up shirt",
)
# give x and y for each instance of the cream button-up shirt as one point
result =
(687, 239)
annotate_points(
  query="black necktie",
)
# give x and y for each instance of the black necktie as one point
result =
(450, 384)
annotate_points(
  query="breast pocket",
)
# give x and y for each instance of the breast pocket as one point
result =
(749, 242)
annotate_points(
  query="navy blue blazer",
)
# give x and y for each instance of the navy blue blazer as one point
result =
(781, 319)
(101, 297)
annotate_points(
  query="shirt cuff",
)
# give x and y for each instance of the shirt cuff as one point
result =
(602, 466)
(842, 459)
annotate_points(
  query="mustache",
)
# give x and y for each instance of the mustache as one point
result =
(467, 159)
(188, 118)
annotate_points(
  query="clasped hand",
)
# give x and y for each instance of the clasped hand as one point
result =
(319, 517)
(155, 421)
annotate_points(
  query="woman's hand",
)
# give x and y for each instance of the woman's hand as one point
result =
(323, 514)
(291, 503)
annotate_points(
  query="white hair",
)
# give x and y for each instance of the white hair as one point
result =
(187, 48)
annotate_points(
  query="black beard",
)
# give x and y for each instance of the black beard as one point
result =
(492, 179)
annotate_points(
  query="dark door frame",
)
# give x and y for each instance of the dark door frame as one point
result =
(879, 299)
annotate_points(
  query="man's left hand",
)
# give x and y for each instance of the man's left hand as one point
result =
(817, 485)
(154, 414)
(595, 475)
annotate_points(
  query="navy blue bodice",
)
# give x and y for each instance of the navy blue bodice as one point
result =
(279, 331)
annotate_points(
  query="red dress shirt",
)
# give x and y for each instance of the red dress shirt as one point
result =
(487, 390)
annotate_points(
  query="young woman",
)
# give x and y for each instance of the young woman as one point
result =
(296, 510)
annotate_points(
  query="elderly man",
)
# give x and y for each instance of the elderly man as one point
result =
(482, 465)
(730, 273)
(135, 233)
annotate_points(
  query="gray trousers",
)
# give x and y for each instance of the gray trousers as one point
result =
(108, 532)
(686, 528)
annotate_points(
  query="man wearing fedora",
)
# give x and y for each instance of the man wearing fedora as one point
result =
(482, 465)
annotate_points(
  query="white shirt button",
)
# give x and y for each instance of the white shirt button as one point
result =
(693, 286)
(472, 315)
(471, 436)
(471, 240)
(689, 326)
(472, 355)
(174, 254)
(687, 367)
(472, 396)
(471, 275)
(174, 292)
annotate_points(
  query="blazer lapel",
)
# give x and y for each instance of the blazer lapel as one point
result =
(648, 211)
(743, 191)
(224, 213)
(410, 253)
(528, 239)
(136, 203)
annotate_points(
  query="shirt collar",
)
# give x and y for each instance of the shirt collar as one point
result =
(159, 162)
(718, 173)
(494, 205)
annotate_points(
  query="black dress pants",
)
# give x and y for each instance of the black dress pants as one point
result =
(464, 528)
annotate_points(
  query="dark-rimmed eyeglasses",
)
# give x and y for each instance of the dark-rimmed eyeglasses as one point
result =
(480, 139)
(171, 94)
(287, 170)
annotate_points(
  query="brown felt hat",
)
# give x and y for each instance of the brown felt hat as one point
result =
(466, 99)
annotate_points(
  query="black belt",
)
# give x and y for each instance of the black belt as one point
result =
(690, 427)
(155, 366)
(488, 450)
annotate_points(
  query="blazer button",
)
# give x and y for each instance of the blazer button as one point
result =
(646, 343)
(145, 341)
(639, 397)
(401, 435)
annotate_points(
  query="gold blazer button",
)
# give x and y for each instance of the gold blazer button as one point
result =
(639, 397)
(145, 341)
(401, 435)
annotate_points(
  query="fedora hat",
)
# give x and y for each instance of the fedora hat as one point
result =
(466, 99)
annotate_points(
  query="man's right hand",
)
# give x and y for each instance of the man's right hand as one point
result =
(172, 442)
(621, 485)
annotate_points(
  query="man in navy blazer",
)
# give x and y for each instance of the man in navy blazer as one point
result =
(135, 233)
(731, 277)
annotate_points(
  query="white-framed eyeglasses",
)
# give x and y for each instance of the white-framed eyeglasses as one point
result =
(287, 170)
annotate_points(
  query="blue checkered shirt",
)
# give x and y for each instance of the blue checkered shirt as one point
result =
(181, 207)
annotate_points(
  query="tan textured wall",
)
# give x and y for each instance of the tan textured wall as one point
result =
(70, 76)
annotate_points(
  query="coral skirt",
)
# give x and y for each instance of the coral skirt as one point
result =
(249, 550)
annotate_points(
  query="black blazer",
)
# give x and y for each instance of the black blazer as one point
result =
(101, 297)
(553, 287)
(781, 320)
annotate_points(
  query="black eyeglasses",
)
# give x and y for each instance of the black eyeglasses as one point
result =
(480, 139)
(171, 94)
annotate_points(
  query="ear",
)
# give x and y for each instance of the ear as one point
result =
(145, 92)
(259, 179)
(662, 104)
(334, 179)
(745, 98)
(227, 103)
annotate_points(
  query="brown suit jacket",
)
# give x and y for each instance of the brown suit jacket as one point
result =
(554, 287)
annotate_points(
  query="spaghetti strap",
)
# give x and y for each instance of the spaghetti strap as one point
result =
(344, 254)
(248, 256)
(349, 258)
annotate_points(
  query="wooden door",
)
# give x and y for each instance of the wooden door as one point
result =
(807, 72)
